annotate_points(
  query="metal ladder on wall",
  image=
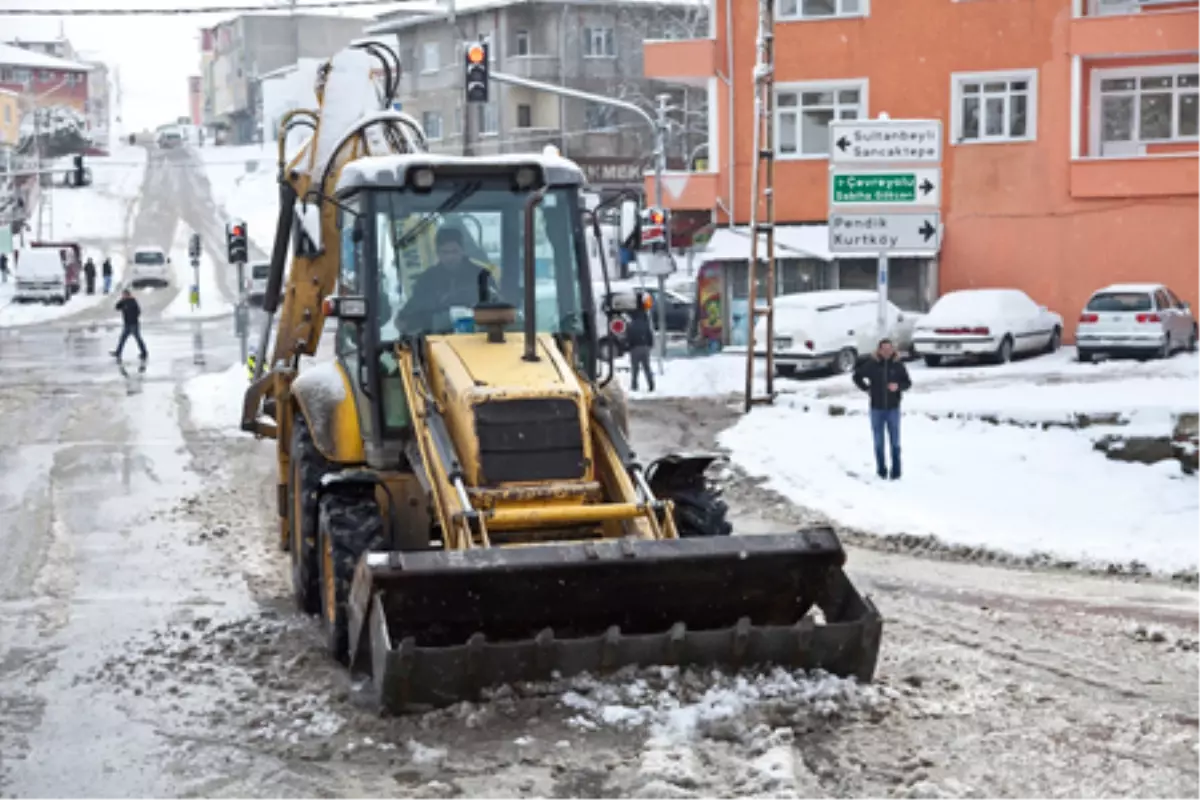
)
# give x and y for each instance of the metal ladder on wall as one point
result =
(762, 207)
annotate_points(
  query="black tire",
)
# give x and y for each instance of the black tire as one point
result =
(785, 370)
(1004, 353)
(304, 486)
(1055, 341)
(1191, 342)
(350, 524)
(699, 509)
(933, 361)
(845, 361)
(1086, 356)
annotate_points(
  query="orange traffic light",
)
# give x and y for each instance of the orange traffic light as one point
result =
(657, 217)
(475, 54)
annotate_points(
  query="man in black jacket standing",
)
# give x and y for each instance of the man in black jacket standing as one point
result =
(131, 313)
(884, 378)
(640, 338)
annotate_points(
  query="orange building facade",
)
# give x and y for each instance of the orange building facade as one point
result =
(1070, 152)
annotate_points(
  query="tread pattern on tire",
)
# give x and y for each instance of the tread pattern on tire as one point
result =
(311, 466)
(699, 508)
(353, 524)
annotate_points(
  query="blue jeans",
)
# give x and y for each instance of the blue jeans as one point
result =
(890, 419)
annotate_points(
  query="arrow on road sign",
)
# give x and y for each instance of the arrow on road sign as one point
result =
(843, 143)
(926, 186)
(927, 230)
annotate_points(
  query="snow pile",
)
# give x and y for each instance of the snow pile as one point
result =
(703, 376)
(251, 195)
(102, 210)
(975, 481)
(215, 399)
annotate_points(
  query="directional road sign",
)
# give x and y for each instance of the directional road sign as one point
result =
(905, 188)
(886, 141)
(885, 234)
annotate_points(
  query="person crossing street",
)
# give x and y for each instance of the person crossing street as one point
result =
(131, 314)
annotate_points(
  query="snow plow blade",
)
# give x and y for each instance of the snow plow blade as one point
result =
(435, 628)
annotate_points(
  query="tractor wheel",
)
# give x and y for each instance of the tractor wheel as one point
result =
(699, 509)
(350, 524)
(304, 486)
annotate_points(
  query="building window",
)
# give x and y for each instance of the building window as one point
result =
(599, 43)
(487, 120)
(820, 9)
(6, 75)
(524, 116)
(431, 121)
(803, 113)
(21, 75)
(522, 43)
(1133, 108)
(429, 57)
(599, 117)
(994, 106)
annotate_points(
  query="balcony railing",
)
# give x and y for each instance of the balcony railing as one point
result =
(537, 68)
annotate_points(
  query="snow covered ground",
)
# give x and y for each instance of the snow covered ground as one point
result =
(250, 195)
(215, 400)
(979, 469)
(212, 301)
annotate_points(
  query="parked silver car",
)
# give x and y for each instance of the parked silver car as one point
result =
(1139, 319)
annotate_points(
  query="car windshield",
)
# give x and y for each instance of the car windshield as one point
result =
(155, 259)
(1120, 301)
(444, 251)
(260, 271)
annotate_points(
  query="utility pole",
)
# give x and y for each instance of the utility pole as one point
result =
(660, 166)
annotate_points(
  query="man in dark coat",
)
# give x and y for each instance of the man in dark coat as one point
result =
(640, 338)
(884, 378)
(89, 275)
(106, 273)
(455, 280)
(131, 314)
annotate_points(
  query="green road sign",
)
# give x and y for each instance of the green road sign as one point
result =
(913, 187)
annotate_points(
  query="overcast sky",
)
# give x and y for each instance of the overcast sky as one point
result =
(155, 54)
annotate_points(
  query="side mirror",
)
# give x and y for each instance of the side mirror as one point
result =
(629, 221)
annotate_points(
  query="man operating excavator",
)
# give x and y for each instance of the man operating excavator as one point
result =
(455, 280)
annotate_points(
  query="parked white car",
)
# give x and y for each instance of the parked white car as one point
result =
(40, 277)
(151, 267)
(830, 330)
(986, 324)
(1140, 319)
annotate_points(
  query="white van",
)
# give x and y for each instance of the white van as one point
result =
(151, 267)
(41, 277)
(830, 330)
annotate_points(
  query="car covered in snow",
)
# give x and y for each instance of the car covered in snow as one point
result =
(151, 267)
(987, 325)
(1140, 319)
(830, 330)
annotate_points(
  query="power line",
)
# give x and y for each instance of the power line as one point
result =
(188, 10)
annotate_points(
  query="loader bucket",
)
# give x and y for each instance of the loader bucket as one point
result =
(442, 626)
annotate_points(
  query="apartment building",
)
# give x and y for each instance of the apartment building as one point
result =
(237, 53)
(594, 46)
(96, 105)
(1070, 135)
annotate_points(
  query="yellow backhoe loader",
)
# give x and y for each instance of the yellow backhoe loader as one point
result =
(456, 488)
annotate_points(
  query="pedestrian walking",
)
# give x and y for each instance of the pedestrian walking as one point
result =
(640, 337)
(3, 268)
(131, 314)
(106, 272)
(89, 275)
(884, 378)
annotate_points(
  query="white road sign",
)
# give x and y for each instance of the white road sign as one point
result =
(884, 234)
(886, 141)
(898, 188)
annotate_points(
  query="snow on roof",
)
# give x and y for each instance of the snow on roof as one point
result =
(13, 56)
(418, 13)
(791, 241)
(377, 169)
(1131, 287)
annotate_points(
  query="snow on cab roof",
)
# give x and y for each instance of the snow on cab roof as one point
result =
(1131, 287)
(392, 171)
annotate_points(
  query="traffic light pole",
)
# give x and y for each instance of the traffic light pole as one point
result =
(658, 124)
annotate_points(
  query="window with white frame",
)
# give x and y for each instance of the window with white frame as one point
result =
(431, 121)
(803, 113)
(819, 9)
(487, 119)
(430, 61)
(1132, 108)
(599, 43)
(994, 106)
(523, 43)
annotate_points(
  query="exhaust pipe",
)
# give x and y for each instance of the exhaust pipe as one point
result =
(530, 275)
